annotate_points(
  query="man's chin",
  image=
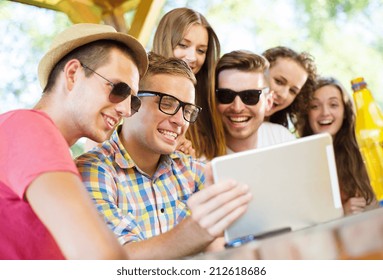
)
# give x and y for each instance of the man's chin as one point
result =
(101, 137)
(240, 137)
(166, 149)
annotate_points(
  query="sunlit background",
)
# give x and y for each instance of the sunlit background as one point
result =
(345, 37)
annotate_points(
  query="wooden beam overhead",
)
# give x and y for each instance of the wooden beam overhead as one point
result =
(145, 19)
(110, 12)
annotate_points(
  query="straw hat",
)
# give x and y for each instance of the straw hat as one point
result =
(83, 33)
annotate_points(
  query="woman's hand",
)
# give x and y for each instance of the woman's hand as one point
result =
(186, 147)
(354, 205)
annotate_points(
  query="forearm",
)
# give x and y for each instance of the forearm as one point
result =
(60, 201)
(186, 239)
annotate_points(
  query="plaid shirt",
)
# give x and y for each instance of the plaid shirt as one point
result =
(135, 206)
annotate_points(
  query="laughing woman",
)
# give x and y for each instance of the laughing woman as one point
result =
(330, 110)
(292, 76)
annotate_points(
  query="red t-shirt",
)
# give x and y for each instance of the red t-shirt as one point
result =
(30, 145)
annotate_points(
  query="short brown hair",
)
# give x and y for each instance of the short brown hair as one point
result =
(242, 60)
(170, 66)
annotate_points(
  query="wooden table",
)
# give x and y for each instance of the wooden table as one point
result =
(354, 237)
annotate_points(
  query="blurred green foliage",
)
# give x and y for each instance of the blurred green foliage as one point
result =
(344, 36)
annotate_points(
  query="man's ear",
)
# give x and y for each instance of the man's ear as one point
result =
(269, 100)
(71, 69)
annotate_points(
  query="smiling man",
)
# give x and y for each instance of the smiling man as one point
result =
(150, 195)
(89, 78)
(243, 96)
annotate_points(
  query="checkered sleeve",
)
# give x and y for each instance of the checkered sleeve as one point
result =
(102, 185)
(199, 171)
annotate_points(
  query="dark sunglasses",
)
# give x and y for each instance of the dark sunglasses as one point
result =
(170, 105)
(120, 91)
(248, 97)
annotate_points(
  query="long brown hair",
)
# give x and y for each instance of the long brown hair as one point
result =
(307, 62)
(207, 133)
(352, 173)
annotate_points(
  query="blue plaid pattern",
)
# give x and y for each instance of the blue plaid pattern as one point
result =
(135, 206)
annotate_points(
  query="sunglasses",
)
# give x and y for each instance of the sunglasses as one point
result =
(120, 91)
(170, 105)
(248, 97)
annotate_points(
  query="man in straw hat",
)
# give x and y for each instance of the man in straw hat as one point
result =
(150, 195)
(90, 80)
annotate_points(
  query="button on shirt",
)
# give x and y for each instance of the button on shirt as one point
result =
(134, 205)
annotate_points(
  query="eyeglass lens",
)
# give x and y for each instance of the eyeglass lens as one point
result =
(135, 104)
(119, 92)
(248, 97)
(170, 105)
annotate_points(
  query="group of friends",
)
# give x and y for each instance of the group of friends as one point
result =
(159, 117)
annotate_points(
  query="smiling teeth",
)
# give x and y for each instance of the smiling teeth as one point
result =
(111, 121)
(325, 122)
(239, 119)
(168, 133)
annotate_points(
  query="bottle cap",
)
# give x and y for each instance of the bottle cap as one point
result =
(357, 80)
(357, 83)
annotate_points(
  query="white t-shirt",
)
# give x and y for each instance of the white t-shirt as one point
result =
(271, 134)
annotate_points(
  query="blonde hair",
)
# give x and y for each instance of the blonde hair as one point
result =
(207, 134)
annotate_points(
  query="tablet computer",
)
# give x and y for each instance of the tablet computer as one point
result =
(294, 185)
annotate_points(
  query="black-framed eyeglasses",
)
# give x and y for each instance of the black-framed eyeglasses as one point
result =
(120, 91)
(248, 97)
(170, 105)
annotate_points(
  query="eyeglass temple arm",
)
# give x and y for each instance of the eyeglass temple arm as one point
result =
(91, 70)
